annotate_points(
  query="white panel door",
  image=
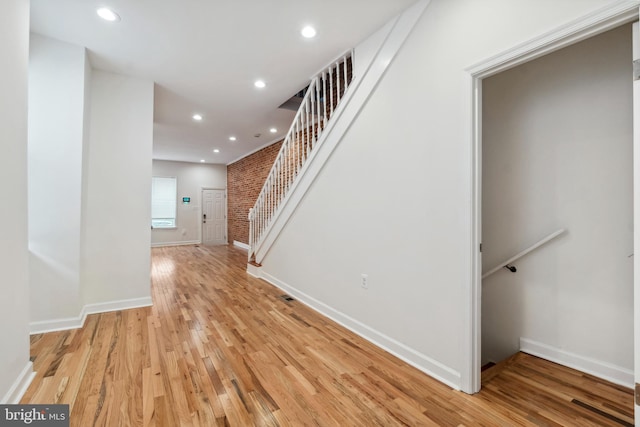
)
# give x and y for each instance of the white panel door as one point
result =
(636, 212)
(214, 218)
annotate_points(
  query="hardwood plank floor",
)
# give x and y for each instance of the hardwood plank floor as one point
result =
(220, 348)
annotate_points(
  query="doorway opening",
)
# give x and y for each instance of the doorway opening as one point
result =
(573, 33)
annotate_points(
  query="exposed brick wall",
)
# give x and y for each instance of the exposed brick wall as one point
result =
(245, 179)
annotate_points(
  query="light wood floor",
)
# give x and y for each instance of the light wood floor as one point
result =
(222, 348)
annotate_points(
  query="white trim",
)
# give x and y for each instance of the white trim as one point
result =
(254, 271)
(636, 215)
(125, 304)
(607, 371)
(19, 386)
(183, 243)
(601, 20)
(472, 326)
(429, 366)
(64, 324)
(279, 139)
(355, 98)
(241, 245)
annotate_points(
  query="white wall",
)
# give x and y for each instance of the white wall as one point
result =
(367, 49)
(116, 253)
(191, 179)
(557, 152)
(395, 199)
(14, 286)
(56, 129)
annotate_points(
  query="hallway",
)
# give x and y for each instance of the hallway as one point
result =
(222, 348)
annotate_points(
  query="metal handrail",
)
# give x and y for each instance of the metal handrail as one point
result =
(507, 264)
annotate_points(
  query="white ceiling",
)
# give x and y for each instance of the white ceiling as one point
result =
(204, 56)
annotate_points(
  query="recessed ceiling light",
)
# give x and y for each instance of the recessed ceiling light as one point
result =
(108, 14)
(308, 32)
(259, 84)
(216, 151)
(201, 160)
(273, 130)
(232, 138)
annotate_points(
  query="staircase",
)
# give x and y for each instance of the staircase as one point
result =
(330, 105)
(320, 102)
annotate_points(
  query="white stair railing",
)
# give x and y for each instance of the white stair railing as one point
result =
(507, 263)
(320, 101)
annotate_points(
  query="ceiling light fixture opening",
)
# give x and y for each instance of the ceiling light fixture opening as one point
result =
(232, 138)
(260, 84)
(308, 32)
(197, 117)
(273, 130)
(108, 14)
(201, 160)
(216, 150)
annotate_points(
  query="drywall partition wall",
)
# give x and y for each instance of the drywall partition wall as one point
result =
(245, 179)
(394, 201)
(116, 253)
(557, 153)
(15, 368)
(191, 179)
(56, 136)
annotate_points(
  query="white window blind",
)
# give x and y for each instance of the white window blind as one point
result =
(163, 202)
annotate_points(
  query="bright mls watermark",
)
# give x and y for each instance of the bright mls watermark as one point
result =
(34, 415)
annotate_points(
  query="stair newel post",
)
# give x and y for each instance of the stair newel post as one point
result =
(251, 239)
(266, 202)
(258, 232)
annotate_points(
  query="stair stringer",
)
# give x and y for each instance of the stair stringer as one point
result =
(346, 112)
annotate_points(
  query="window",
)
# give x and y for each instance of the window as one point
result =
(163, 202)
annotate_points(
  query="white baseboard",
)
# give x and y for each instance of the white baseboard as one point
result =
(182, 243)
(597, 368)
(19, 386)
(414, 358)
(64, 324)
(241, 245)
(255, 271)
(126, 304)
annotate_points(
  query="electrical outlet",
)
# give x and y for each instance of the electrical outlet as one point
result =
(365, 281)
